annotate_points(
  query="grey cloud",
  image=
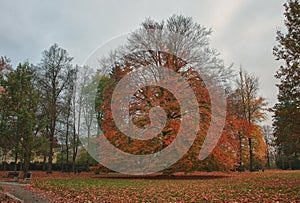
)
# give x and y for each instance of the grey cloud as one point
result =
(244, 30)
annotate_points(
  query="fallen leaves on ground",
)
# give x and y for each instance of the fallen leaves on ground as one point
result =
(5, 199)
(270, 186)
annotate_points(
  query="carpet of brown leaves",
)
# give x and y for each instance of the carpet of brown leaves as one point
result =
(268, 186)
(5, 199)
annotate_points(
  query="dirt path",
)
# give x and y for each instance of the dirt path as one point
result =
(20, 191)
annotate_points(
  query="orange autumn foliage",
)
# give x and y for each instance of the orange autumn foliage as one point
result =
(225, 154)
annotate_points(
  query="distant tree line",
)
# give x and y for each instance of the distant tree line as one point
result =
(39, 110)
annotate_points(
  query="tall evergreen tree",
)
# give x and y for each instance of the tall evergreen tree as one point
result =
(287, 110)
(5, 131)
(19, 104)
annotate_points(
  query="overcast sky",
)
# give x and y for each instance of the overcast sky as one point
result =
(243, 30)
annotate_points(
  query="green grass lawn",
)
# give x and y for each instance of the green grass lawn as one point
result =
(270, 186)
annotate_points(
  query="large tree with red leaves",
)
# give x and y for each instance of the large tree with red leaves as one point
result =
(182, 46)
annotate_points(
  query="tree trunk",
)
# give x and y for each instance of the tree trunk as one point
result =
(51, 139)
(67, 141)
(251, 154)
(88, 137)
(268, 158)
(50, 156)
(62, 160)
(21, 165)
(22, 159)
(26, 163)
(75, 148)
(49, 165)
(241, 155)
(75, 134)
(16, 161)
(282, 160)
(44, 161)
(4, 160)
(52, 127)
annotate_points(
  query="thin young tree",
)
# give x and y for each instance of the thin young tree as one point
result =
(250, 108)
(268, 137)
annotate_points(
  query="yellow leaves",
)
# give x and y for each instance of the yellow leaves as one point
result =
(258, 109)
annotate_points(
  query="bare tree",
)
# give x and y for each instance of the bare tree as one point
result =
(86, 99)
(54, 75)
(269, 139)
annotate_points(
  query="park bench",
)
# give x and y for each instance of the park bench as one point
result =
(27, 177)
(15, 175)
